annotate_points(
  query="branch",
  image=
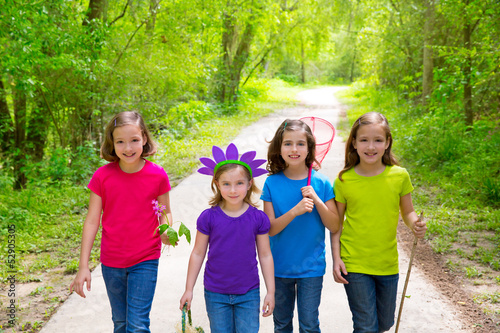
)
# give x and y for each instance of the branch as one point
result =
(121, 15)
(129, 41)
(56, 125)
(381, 37)
(133, 35)
(266, 53)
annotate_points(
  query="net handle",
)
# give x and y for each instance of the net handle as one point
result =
(329, 142)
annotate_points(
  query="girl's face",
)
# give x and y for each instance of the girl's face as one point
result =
(371, 143)
(234, 185)
(128, 142)
(294, 148)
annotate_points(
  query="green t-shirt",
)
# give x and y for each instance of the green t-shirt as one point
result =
(368, 240)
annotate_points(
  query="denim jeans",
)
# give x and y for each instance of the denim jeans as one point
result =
(233, 313)
(130, 292)
(308, 294)
(372, 300)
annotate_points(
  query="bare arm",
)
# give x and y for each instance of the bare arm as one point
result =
(410, 217)
(195, 262)
(267, 267)
(338, 264)
(326, 210)
(90, 228)
(280, 223)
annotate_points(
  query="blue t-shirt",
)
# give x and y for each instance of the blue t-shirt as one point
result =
(299, 249)
(231, 266)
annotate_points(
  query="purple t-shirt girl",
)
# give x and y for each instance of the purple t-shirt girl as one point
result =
(231, 266)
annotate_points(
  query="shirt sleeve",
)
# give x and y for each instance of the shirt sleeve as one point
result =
(266, 193)
(264, 223)
(95, 183)
(329, 194)
(203, 222)
(337, 187)
(406, 187)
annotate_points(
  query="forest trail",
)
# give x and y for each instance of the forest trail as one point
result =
(427, 310)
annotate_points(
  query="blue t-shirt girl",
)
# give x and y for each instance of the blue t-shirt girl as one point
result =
(299, 214)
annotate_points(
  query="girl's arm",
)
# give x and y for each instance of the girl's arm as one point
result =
(90, 228)
(267, 267)
(164, 200)
(410, 217)
(280, 223)
(195, 263)
(327, 210)
(338, 264)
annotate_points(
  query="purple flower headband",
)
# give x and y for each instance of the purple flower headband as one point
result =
(231, 157)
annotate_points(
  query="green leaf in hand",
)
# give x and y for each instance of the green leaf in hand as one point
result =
(162, 228)
(183, 230)
(172, 236)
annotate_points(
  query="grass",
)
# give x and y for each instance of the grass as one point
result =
(47, 219)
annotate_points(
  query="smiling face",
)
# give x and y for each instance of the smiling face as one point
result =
(371, 142)
(294, 148)
(233, 185)
(128, 142)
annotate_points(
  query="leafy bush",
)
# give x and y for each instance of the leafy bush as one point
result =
(180, 119)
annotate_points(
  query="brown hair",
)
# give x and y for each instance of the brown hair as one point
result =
(119, 120)
(351, 155)
(217, 198)
(276, 163)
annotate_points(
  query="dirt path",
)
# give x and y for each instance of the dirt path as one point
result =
(427, 310)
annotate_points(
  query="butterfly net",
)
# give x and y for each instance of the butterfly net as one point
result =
(324, 132)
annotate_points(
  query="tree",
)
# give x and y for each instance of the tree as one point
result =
(428, 61)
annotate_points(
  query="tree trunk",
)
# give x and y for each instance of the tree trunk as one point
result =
(232, 65)
(37, 131)
(20, 138)
(6, 124)
(302, 61)
(96, 11)
(428, 61)
(467, 76)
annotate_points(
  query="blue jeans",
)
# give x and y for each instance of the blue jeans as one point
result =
(372, 300)
(233, 313)
(308, 294)
(130, 292)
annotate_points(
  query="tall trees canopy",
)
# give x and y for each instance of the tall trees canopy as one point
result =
(67, 66)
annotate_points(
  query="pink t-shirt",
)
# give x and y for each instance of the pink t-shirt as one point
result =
(128, 220)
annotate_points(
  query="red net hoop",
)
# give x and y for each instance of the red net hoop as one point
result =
(324, 132)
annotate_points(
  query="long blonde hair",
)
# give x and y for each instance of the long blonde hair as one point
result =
(351, 155)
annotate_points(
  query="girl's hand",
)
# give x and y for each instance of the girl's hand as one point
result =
(305, 205)
(268, 306)
(83, 276)
(419, 228)
(165, 240)
(338, 268)
(308, 192)
(186, 298)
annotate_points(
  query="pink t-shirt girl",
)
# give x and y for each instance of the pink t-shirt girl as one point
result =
(128, 220)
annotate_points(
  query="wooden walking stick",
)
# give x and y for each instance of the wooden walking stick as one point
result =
(415, 241)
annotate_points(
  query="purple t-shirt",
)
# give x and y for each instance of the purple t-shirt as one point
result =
(231, 266)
